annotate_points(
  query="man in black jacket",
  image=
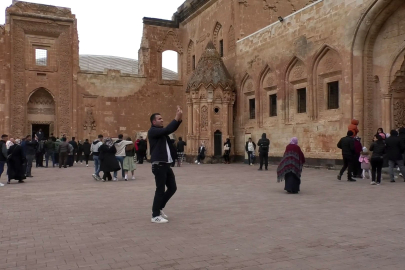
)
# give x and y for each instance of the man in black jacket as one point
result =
(142, 147)
(264, 147)
(162, 153)
(31, 146)
(348, 153)
(394, 149)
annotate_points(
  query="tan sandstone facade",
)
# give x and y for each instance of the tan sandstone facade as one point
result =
(293, 68)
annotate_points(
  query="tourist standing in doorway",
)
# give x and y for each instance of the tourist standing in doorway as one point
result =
(3, 153)
(264, 148)
(348, 153)
(291, 166)
(79, 154)
(377, 158)
(15, 163)
(201, 153)
(49, 152)
(31, 150)
(227, 150)
(161, 158)
(120, 145)
(250, 148)
(129, 163)
(180, 151)
(94, 149)
(142, 147)
(86, 151)
(108, 161)
(63, 153)
(394, 149)
(39, 135)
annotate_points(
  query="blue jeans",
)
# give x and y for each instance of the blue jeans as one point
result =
(96, 165)
(121, 162)
(49, 155)
(2, 167)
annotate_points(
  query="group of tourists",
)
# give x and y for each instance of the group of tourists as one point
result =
(388, 150)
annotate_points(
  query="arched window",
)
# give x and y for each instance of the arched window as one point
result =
(170, 65)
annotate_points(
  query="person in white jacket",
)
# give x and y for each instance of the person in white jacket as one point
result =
(94, 149)
(120, 155)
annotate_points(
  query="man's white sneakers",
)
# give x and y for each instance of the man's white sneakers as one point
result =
(162, 214)
(159, 219)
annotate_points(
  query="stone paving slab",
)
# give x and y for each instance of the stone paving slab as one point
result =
(222, 217)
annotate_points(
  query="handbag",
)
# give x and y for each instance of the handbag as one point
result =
(226, 147)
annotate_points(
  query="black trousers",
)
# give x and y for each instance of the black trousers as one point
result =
(376, 167)
(63, 156)
(164, 177)
(348, 163)
(264, 158)
(107, 176)
(226, 156)
(141, 156)
(79, 157)
(86, 158)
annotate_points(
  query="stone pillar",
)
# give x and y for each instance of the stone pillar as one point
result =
(190, 117)
(387, 112)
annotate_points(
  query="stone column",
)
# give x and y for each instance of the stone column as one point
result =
(190, 116)
(386, 112)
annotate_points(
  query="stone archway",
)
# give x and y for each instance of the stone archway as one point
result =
(398, 98)
(41, 111)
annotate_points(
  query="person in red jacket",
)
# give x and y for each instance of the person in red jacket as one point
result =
(353, 127)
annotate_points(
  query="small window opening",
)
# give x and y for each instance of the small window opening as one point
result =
(221, 47)
(252, 108)
(333, 95)
(273, 105)
(193, 62)
(302, 100)
(216, 110)
(41, 57)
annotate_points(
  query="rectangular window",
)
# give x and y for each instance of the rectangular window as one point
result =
(252, 108)
(273, 105)
(221, 47)
(193, 62)
(333, 95)
(302, 100)
(41, 57)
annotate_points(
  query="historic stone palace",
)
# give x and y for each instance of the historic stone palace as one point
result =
(287, 68)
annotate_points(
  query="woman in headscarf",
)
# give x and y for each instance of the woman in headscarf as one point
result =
(129, 163)
(108, 162)
(290, 167)
(15, 163)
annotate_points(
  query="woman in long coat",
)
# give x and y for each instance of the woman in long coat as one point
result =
(15, 163)
(290, 167)
(108, 162)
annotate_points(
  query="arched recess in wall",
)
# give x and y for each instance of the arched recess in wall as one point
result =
(169, 43)
(362, 81)
(296, 91)
(248, 99)
(327, 84)
(217, 38)
(231, 40)
(191, 58)
(269, 92)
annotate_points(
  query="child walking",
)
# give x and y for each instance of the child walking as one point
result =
(365, 163)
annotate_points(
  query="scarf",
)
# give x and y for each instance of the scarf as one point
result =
(293, 161)
(108, 142)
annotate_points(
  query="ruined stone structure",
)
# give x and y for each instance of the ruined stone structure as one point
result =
(288, 68)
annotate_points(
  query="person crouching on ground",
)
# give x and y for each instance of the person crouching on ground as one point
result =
(108, 162)
(201, 153)
(129, 163)
(365, 163)
(227, 150)
(290, 167)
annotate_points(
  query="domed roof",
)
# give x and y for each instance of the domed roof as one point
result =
(210, 70)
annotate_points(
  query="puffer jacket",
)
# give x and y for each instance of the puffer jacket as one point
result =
(378, 149)
(347, 146)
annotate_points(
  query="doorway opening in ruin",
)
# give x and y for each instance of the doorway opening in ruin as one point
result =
(218, 143)
(44, 127)
(170, 65)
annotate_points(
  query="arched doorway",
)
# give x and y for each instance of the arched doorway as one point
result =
(398, 97)
(217, 143)
(41, 112)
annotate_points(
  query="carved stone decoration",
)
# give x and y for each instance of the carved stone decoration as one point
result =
(190, 53)
(204, 118)
(231, 40)
(217, 28)
(399, 113)
(298, 72)
(175, 38)
(89, 122)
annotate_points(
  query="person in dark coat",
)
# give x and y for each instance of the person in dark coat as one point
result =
(86, 151)
(377, 158)
(142, 147)
(227, 150)
(74, 144)
(79, 156)
(15, 163)
(394, 150)
(40, 135)
(108, 162)
(290, 167)
(175, 156)
(31, 149)
(401, 132)
(39, 155)
(180, 151)
(264, 148)
(348, 153)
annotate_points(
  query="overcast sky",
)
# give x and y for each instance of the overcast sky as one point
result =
(109, 27)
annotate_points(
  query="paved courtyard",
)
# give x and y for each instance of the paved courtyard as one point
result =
(222, 217)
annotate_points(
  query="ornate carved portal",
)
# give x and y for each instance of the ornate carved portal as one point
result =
(89, 122)
(398, 96)
(40, 110)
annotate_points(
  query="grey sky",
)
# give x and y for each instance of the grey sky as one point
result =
(112, 27)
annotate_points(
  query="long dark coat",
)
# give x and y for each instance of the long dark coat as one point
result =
(16, 168)
(107, 157)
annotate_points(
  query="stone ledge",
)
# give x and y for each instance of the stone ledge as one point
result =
(160, 22)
